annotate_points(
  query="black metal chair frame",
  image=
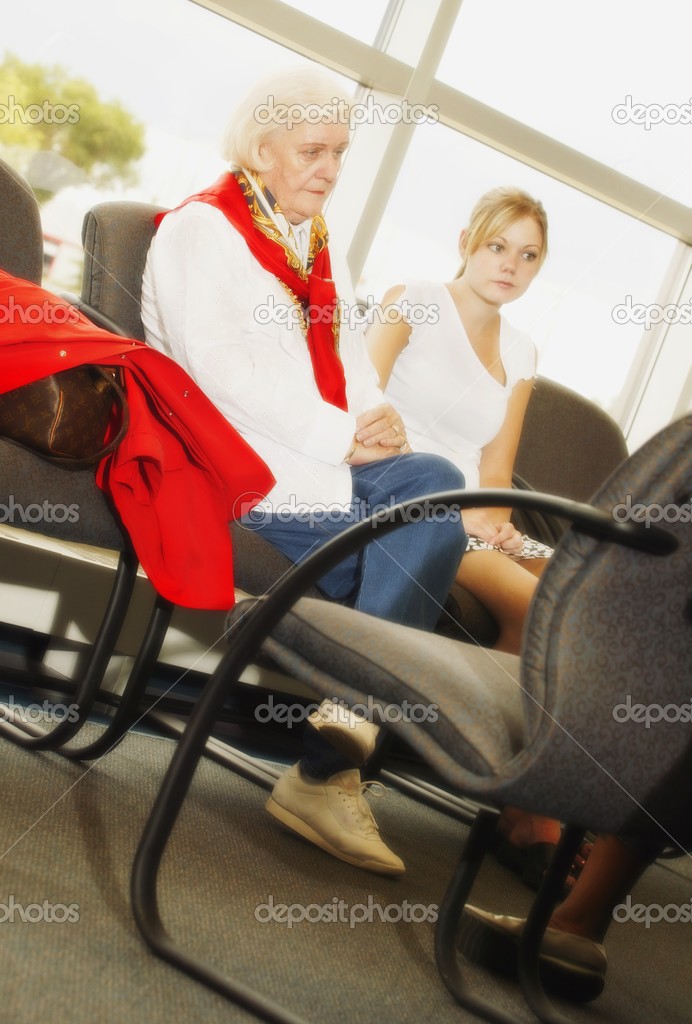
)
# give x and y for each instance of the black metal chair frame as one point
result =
(246, 641)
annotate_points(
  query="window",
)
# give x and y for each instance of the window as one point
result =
(358, 18)
(568, 70)
(564, 71)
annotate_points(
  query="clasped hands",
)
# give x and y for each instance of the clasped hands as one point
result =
(504, 536)
(380, 434)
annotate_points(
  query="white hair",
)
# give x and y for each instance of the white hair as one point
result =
(281, 99)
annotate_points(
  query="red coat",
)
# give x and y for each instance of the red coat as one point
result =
(181, 473)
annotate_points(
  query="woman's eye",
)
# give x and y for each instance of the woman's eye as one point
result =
(529, 256)
(495, 247)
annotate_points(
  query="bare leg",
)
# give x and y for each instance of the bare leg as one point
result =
(533, 565)
(524, 829)
(505, 588)
(608, 875)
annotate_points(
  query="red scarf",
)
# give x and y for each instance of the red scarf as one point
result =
(314, 291)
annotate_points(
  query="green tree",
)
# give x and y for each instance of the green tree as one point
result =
(57, 131)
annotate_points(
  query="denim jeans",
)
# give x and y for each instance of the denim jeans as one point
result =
(404, 577)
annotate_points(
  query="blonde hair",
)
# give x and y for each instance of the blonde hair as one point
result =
(283, 98)
(495, 211)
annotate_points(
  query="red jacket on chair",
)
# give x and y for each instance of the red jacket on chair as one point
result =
(181, 473)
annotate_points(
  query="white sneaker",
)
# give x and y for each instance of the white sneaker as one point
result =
(349, 733)
(333, 814)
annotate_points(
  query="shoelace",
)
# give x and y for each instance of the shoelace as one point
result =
(359, 806)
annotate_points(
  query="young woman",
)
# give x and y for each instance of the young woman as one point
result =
(461, 378)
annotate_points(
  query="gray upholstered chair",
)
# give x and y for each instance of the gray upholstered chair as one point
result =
(21, 236)
(612, 617)
(26, 480)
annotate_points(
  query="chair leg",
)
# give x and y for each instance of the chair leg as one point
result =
(34, 737)
(161, 822)
(129, 705)
(537, 922)
(449, 918)
(449, 915)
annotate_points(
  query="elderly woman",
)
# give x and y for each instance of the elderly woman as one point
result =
(239, 288)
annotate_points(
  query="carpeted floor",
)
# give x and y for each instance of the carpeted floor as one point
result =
(68, 834)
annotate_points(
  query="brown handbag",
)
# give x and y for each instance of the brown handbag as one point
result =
(64, 417)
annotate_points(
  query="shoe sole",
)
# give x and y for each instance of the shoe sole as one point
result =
(303, 829)
(499, 951)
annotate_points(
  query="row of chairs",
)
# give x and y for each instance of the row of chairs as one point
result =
(604, 572)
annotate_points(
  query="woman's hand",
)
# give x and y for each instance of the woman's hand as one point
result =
(477, 523)
(381, 427)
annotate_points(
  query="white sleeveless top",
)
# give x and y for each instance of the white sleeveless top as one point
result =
(449, 402)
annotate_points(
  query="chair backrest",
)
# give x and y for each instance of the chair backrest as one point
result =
(116, 239)
(569, 446)
(79, 509)
(607, 653)
(21, 237)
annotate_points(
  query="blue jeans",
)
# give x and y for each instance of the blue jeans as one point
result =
(405, 576)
